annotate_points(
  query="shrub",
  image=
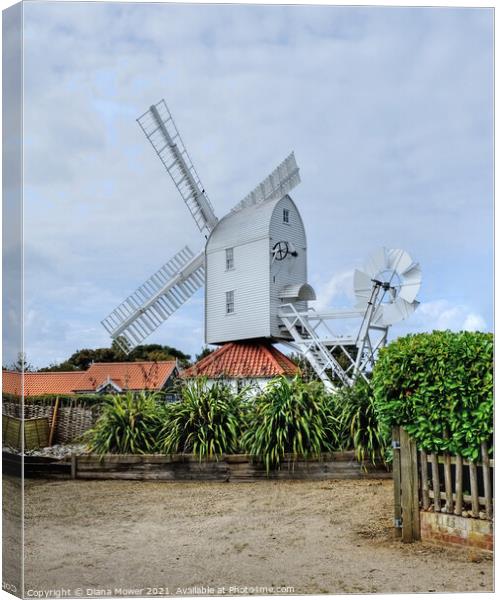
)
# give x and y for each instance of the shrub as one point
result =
(290, 417)
(128, 424)
(359, 424)
(207, 420)
(439, 386)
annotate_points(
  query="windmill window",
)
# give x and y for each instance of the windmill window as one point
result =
(229, 302)
(286, 215)
(229, 258)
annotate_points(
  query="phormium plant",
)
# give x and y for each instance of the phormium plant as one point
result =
(359, 424)
(128, 424)
(206, 422)
(290, 417)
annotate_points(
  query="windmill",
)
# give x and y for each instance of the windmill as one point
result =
(253, 267)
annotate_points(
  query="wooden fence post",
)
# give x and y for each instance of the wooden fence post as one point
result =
(425, 482)
(54, 422)
(488, 497)
(474, 489)
(436, 487)
(396, 475)
(409, 488)
(73, 466)
(448, 487)
(459, 486)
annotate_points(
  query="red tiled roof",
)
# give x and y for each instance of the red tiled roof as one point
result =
(251, 359)
(127, 375)
(38, 384)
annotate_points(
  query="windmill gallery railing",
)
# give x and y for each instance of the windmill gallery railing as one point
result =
(439, 483)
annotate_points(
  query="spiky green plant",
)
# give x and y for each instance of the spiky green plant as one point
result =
(360, 428)
(290, 417)
(128, 424)
(206, 422)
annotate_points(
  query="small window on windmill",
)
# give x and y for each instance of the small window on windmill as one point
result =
(229, 302)
(229, 258)
(286, 215)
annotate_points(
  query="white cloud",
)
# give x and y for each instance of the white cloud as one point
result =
(442, 314)
(474, 322)
(336, 289)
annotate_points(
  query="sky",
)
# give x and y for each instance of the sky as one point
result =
(389, 112)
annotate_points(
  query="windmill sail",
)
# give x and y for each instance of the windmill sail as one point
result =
(283, 179)
(160, 129)
(156, 299)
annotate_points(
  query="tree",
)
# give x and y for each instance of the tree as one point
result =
(21, 364)
(82, 359)
(205, 351)
(309, 374)
(64, 366)
(158, 352)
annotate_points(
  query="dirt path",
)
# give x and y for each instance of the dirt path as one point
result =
(310, 537)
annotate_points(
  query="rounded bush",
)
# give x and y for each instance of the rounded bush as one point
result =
(439, 387)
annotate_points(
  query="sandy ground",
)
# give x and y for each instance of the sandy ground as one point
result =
(12, 523)
(309, 537)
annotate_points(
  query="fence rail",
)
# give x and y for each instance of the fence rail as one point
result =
(445, 486)
(437, 482)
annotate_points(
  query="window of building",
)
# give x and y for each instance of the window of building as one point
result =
(229, 302)
(229, 258)
(286, 215)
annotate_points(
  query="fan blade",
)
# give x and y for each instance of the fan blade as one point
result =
(398, 260)
(159, 127)
(410, 286)
(376, 263)
(158, 298)
(397, 311)
(363, 286)
(276, 185)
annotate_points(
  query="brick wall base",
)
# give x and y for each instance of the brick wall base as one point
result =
(442, 528)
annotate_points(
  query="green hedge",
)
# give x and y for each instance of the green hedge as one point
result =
(439, 387)
(69, 399)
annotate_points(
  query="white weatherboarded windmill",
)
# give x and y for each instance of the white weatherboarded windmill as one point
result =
(254, 269)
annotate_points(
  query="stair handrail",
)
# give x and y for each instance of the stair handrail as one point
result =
(316, 340)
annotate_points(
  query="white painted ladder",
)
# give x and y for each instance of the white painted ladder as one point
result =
(307, 341)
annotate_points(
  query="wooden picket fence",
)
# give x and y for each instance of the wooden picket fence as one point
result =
(437, 482)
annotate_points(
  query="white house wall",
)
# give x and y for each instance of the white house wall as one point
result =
(250, 282)
(255, 385)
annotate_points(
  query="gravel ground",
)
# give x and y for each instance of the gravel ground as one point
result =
(54, 451)
(308, 537)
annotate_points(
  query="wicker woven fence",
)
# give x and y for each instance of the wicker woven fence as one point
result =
(74, 415)
(36, 432)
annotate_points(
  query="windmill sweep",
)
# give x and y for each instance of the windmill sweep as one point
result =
(254, 270)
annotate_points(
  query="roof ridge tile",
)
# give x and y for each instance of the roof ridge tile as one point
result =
(246, 358)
